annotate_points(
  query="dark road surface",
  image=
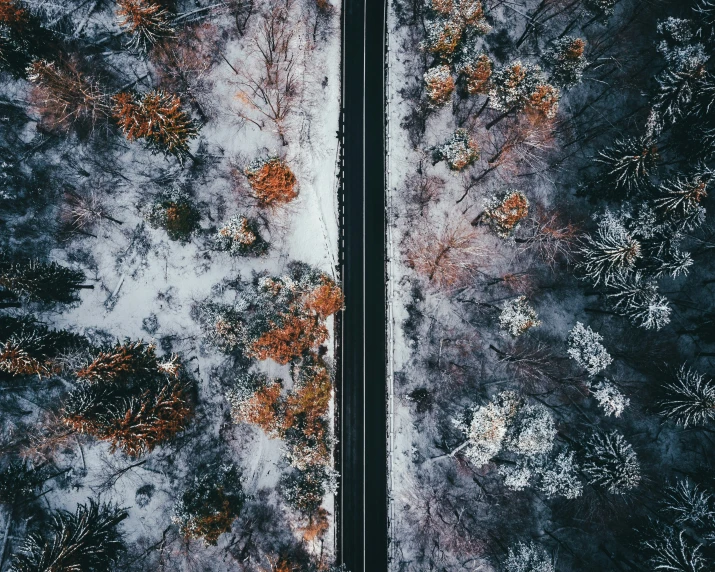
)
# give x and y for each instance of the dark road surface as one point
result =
(362, 451)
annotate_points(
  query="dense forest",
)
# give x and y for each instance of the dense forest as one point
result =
(552, 261)
(166, 304)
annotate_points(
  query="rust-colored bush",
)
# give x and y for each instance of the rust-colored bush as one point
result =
(325, 300)
(272, 182)
(289, 338)
(12, 14)
(478, 74)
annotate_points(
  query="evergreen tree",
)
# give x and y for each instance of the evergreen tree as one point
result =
(156, 118)
(208, 506)
(680, 201)
(130, 398)
(46, 282)
(28, 347)
(689, 505)
(86, 540)
(609, 397)
(19, 482)
(611, 463)
(626, 166)
(174, 211)
(439, 84)
(459, 151)
(476, 69)
(689, 399)
(304, 489)
(674, 552)
(519, 86)
(638, 299)
(559, 478)
(145, 21)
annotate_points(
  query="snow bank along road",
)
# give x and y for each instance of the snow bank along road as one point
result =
(362, 454)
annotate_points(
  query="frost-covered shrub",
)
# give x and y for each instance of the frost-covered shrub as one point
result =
(209, 505)
(304, 489)
(443, 37)
(532, 432)
(567, 60)
(271, 181)
(690, 399)
(527, 558)
(240, 236)
(519, 86)
(517, 316)
(673, 550)
(174, 211)
(611, 463)
(677, 47)
(439, 84)
(586, 350)
(559, 477)
(254, 398)
(459, 151)
(609, 397)
(516, 477)
(505, 210)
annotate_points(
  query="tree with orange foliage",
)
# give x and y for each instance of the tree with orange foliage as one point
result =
(445, 258)
(12, 14)
(288, 337)
(271, 181)
(130, 398)
(22, 38)
(566, 57)
(440, 85)
(156, 118)
(147, 23)
(504, 211)
(64, 96)
(256, 399)
(477, 72)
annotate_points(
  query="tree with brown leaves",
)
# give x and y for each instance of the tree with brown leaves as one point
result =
(271, 181)
(147, 23)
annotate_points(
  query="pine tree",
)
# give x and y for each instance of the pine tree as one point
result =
(65, 96)
(611, 463)
(680, 201)
(19, 482)
(689, 399)
(271, 180)
(674, 552)
(638, 299)
(22, 38)
(517, 316)
(677, 46)
(304, 489)
(527, 558)
(28, 347)
(627, 165)
(443, 37)
(46, 282)
(602, 10)
(86, 540)
(689, 505)
(612, 249)
(240, 236)
(130, 398)
(586, 349)
(156, 118)
(567, 61)
(208, 506)
(146, 21)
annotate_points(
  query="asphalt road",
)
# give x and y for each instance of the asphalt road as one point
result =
(362, 423)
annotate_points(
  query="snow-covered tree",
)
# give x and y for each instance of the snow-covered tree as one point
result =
(689, 505)
(680, 201)
(442, 37)
(586, 349)
(146, 21)
(46, 282)
(88, 540)
(505, 210)
(529, 557)
(256, 399)
(610, 398)
(638, 299)
(677, 46)
(611, 463)
(602, 10)
(689, 399)
(626, 166)
(516, 477)
(174, 211)
(612, 248)
(459, 151)
(531, 432)
(519, 86)
(131, 398)
(565, 56)
(20, 481)
(487, 428)
(560, 477)
(517, 316)
(208, 506)
(240, 236)
(477, 72)
(271, 181)
(157, 119)
(439, 84)
(673, 551)
(304, 489)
